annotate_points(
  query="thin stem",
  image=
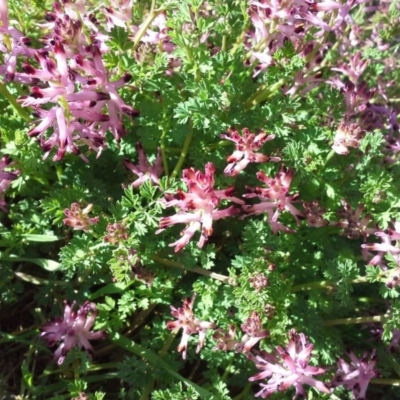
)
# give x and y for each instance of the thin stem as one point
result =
(20, 110)
(385, 381)
(263, 93)
(184, 151)
(224, 43)
(198, 270)
(358, 320)
(151, 16)
(244, 392)
(162, 145)
(324, 284)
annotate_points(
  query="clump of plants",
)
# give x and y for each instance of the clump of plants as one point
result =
(199, 199)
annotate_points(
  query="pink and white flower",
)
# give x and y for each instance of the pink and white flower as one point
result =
(189, 324)
(356, 374)
(198, 206)
(73, 330)
(274, 199)
(247, 146)
(287, 367)
(144, 170)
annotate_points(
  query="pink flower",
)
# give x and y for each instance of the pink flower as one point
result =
(353, 223)
(389, 245)
(198, 206)
(73, 330)
(12, 44)
(72, 94)
(246, 146)
(144, 170)
(314, 214)
(116, 233)
(78, 218)
(274, 199)
(356, 374)
(287, 367)
(354, 68)
(5, 179)
(253, 334)
(347, 135)
(189, 324)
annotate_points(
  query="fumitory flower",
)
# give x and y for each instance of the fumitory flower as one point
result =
(258, 281)
(356, 374)
(253, 334)
(347, 135)
(189, 324)
(246, 146)
(354, 68)
(314, 214)
(274, 199)
(287, 367)
(73, 330)
(5, 179)
(353, 223)
(390, 239)
(198, 206)
(116, 233)
(144, 170)
(78, 218)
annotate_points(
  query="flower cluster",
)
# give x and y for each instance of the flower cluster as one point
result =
(71, 91)
(78, 218)
(144, 170)
(189, 324)
(253, 334)
(246, 146)
(356, 374)
(275, 198)
(389, 246)
(73, 330)
(198, 206)
(287, 367)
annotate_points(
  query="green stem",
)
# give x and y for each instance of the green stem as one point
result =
(184, 151)
(243, 393)
(151, 16)
(150, 386)
(20, 110)
(358, 320)
(324, 284)
(198, 270)
(155, 360)
(224, 43)
(263, 93)
(162, 145)
(385, 381)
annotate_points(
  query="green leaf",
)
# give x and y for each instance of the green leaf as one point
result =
(31, 237)
(111, 288)
(49, 265)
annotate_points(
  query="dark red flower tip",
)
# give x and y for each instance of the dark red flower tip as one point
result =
(50, 17)
(130, 111)
(79, 59)
(36, 94)
(59, 48)
(102, 96)
(26, 41)
(127, 77)
(28, 69)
